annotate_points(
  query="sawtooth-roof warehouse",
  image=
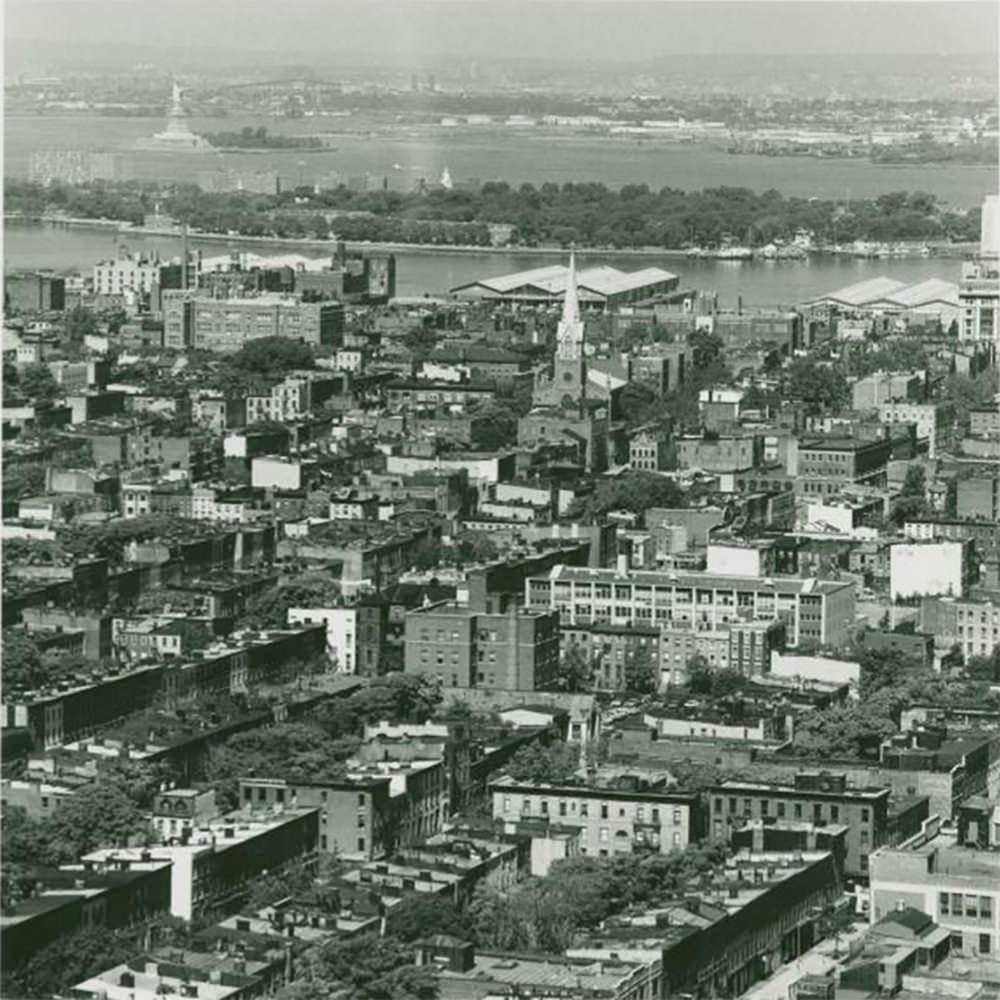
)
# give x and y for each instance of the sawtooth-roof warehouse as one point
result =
(598, 288)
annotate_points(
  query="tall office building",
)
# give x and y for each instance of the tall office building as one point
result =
(979, 289)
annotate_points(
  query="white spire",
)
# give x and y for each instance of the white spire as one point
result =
(570, 335)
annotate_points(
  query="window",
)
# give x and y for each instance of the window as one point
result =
(781, 810)
(562, 808)
(985, 944)
(584, 809)
(797, 810)
(506, 803)
(834, 814)
(603, 835)
(864, 815)
(985, 907)
(279, 794)
(545, 807)
(361, 843)
(677, 817)
(656, 814)
(361, 820)
(322, 841)
(604, 810)
(943, 904)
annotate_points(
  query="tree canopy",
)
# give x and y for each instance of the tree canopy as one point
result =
(270, 607)
(367, 967)
(272, 357)
(556, 764)
(22, 662)
(296, 750)
(420, 915)
(635, 492)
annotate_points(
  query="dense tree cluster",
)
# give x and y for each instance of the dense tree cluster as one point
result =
(271, 357)
(890, 682)
(635, 492)
(270, 607)
(544, 914)
(557, 764)
(587, 213)
(259, 138)
(367, 967)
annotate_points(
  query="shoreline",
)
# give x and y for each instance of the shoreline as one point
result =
(955, 249)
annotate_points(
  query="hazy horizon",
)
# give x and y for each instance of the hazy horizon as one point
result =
(530, 30)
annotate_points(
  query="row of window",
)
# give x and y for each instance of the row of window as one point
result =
(564, 807)
(780, 809)
(967, 905)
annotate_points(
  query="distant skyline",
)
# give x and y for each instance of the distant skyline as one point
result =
(413, 31)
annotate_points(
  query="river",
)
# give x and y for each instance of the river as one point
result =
(408, 153)
(759, 283)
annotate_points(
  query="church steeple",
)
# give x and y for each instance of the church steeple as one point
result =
(569, 338)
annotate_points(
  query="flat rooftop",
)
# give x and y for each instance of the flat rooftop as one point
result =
(784, 584)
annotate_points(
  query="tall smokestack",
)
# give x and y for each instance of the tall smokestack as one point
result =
(184, 257)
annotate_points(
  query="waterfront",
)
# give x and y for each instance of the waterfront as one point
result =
(763, 283)
(406, 154)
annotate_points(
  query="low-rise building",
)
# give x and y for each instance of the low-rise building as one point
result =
(512, 650)
(930, 569)
(465, 974)
(812, 796)
(630, 816)
(368, 811)
(820, 611)
(956, 886)
(213, 865)
(935, 422)
(75, 897)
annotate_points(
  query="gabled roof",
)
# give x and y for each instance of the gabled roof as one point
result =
(553, 280)
(912, 919)
(863, 292)
(924, 292)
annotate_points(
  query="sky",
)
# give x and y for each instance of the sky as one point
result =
(613, 30)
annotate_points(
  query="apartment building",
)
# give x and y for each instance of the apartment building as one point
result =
(515, 650)
(611, 649)
(819, 611)
(979, 301)
(227, 324)
(621, 819)
(341, 632)
(815, 796)
(870, 392)
(211, 869)
(720, 452)
(828, 465)
(355, 818)
(979, 497)
(956, 885)
(935, 422)
(648, 450)
(128, 274)
(971, 623)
